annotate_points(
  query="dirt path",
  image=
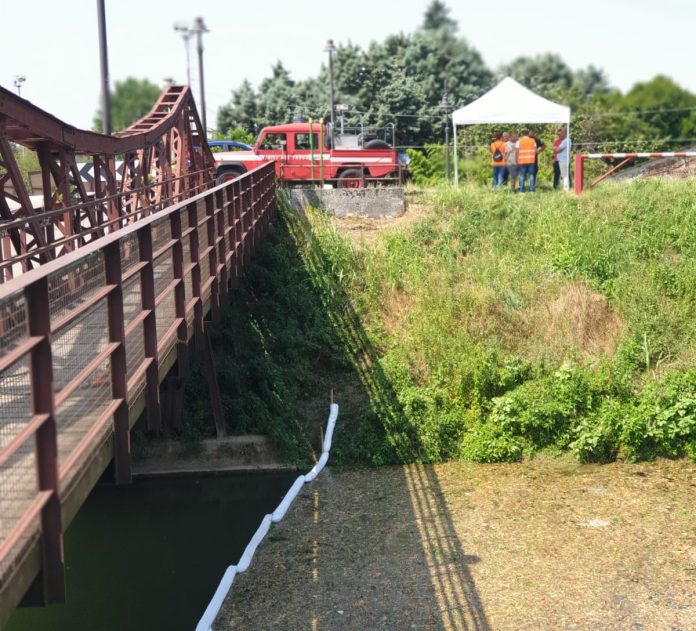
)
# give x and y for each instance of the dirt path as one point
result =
(548, 545)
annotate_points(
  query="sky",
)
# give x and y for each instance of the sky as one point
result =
(55, 44)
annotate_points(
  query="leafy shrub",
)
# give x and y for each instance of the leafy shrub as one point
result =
(487, 442)
(597, 434)
(544, 411)
(664, 421)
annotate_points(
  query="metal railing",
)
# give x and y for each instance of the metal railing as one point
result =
(85, 336)
(92, 220)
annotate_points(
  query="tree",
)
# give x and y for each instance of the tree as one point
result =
(542, 73)
(241, 113)
(662, 93)
(437, 16)
(130, 100)
(591, 80)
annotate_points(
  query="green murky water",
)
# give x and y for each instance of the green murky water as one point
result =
(150, 555)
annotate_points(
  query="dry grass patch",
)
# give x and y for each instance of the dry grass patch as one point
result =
(574, 319)
(543, 546)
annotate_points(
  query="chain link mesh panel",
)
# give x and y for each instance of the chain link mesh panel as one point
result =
(135, 350)
(161, 233)
(132, 299)
(130, 253)
(18, 488)
(77, 345)
(12, 323)
(72, 286)
(166, 309)
(15, 384)
(82, 409)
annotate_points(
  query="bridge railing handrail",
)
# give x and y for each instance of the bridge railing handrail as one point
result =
(84, 336)
(45, 219)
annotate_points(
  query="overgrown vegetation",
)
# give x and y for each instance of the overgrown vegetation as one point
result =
(494, 326)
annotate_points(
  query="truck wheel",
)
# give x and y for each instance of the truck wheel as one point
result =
(350, 178)
(227, 174)
(377, 144)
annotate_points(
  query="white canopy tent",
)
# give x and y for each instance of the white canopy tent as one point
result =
(508, 102)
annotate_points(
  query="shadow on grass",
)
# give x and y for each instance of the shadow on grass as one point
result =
(389, 553)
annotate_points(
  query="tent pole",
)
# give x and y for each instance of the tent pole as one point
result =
(456, 159)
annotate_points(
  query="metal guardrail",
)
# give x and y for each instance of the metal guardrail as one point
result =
(82, 337)
(92, 220)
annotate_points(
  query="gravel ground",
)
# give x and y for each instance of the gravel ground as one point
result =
(546, 545)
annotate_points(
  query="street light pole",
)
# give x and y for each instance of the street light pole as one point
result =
(199, 28)
(18, 81)
(331, 49)
(445, 105)
(104, 64)
(186, 36)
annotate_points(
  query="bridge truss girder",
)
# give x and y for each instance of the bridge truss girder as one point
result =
(164, 159)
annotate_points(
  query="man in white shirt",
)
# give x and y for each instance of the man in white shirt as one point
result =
(564, 158)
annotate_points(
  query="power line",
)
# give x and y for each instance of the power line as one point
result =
(670, 110)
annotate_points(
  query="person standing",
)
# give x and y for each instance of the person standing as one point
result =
(526, 153)
(564, 158)
(556, 168)
(539, 147)
(511, 148)
(497, 150)
(505, 138)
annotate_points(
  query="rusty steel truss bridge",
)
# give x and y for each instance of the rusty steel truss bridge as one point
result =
(105, 287)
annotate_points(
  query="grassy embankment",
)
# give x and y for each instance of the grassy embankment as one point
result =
(491, 327)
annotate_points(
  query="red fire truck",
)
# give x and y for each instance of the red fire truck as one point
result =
(309, 153)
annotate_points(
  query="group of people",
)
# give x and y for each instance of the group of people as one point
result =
(517, 159)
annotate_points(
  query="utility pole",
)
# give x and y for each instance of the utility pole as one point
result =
(445, 105)
(331, 49)
(104, 64)
(199, 28)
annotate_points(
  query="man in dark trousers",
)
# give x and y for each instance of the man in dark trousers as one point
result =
(540, 146)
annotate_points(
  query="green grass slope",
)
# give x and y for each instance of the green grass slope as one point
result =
(494, 326)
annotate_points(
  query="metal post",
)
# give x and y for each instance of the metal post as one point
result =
(579, 173)
(187, 46)
(445, 105)
(199, 28)
(331, 49)
(104, 64)
(186, 36)
(119, 377)
(43, 402)
(456, 160)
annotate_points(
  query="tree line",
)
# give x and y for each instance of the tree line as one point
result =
(402, 80)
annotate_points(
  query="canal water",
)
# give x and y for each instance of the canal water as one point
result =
(150, 555)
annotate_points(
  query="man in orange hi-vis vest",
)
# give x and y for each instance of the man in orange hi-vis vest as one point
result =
(497, 150)
(525, 161)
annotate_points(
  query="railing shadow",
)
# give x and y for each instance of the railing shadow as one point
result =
(382, 540)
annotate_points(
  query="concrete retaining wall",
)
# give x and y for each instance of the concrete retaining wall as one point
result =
(376, 203)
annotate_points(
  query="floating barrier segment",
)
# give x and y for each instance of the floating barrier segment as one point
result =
(213, 608)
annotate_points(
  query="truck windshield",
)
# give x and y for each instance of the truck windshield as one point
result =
(273, 141)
